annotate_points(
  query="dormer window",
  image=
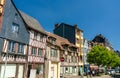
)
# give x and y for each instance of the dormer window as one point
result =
(16, 16)
(52, 40)
(73, 49)
(65, 47)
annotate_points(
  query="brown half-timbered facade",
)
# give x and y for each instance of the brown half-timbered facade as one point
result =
(68, 56)
(37, 47)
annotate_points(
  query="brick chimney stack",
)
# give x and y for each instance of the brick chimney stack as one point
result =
(56, 25)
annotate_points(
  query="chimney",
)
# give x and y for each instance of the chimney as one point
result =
(75, 25)
(56, 25)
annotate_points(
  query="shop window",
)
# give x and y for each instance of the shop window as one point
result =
(66, 70)
(39, 69)
(74, 69)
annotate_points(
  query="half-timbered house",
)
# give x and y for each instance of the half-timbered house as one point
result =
(14, 39)
(37, 47)
(68, 57)
(62, 57)
(52, 57)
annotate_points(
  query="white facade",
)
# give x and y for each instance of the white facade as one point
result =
(53, 65)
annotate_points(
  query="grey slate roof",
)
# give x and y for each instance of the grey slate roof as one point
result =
(32, 23)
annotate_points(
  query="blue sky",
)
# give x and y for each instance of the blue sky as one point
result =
(92, 16)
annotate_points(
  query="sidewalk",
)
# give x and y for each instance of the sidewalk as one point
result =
(103, 76)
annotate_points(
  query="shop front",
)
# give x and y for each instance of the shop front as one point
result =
(68, 70)
(12, 66)
(54, 70)
(35, 67)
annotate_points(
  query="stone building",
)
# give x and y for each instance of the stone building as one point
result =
(101, 40)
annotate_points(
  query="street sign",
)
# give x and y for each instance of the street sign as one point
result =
(62, 59)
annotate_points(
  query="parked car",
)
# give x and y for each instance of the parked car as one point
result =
(117, 70)
(111, 71)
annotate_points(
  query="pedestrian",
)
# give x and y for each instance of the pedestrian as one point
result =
(93, 72)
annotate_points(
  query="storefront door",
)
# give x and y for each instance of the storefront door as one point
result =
(20, 71)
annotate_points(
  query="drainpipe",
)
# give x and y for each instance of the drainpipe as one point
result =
(45, 59)
(5, 65)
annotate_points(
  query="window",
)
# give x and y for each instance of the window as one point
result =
(74, 69)
(16, 16)
(52, 40)
(65, 47)
(11, 46)
(34, 50)
(21, 48)
(40, 51)
(77, 40)
(74, 59)
(35, 35)
(15, 28)
(66, 69)
(73, 49)
(65, 58)
(53, 52)
(81, 34)
(39, 69)
(41, 38)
